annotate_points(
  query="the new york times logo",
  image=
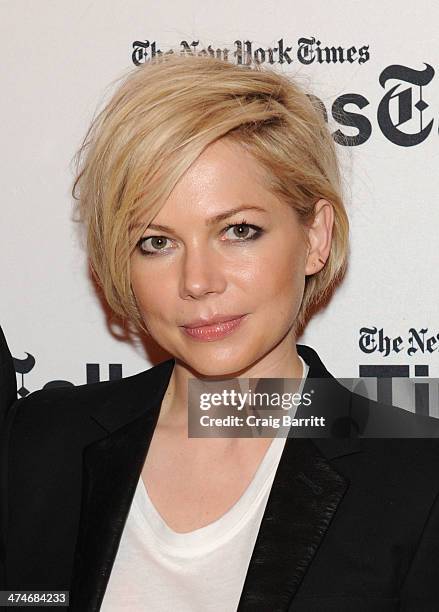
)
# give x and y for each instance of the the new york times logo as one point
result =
(402, 115)
(416, 342)
(375, 341)
(308, 50)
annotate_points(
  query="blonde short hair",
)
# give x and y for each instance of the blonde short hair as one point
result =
(160, 119)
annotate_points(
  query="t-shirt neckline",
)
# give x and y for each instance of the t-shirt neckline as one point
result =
(212, 535)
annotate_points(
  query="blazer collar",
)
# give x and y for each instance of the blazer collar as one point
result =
(133, 397)
(304, 496)
(143, 393)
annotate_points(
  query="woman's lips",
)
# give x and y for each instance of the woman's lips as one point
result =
(215, 331)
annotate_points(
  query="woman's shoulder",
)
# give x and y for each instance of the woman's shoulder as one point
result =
(381, 444)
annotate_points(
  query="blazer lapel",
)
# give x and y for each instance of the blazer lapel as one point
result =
(304, 497)
(111, 470)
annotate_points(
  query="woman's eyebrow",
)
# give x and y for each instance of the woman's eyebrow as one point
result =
(212, 220)
(231, 212)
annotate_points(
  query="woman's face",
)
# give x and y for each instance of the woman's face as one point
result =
(222, 246)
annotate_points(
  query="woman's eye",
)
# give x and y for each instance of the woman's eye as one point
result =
(242, 231)
(152, 244)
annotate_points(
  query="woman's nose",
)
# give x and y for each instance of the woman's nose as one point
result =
(202, 273)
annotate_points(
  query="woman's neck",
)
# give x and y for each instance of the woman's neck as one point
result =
(281, 362)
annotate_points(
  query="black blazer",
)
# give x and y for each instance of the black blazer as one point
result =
(351, 524)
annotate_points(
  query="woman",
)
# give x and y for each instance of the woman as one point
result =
(211, 198)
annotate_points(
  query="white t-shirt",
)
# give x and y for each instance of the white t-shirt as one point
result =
(157, 569)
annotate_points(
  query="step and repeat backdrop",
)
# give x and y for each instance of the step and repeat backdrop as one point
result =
(375, 69)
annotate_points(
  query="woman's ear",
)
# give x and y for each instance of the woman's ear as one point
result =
(319, 237)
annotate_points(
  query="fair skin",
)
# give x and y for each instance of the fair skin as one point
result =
(200, 270)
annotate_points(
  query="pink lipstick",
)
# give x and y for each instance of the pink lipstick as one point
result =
(217, 328)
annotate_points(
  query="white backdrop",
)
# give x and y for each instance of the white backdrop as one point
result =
(58, 61)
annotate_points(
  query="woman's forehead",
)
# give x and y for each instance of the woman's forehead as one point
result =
(224, 179)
